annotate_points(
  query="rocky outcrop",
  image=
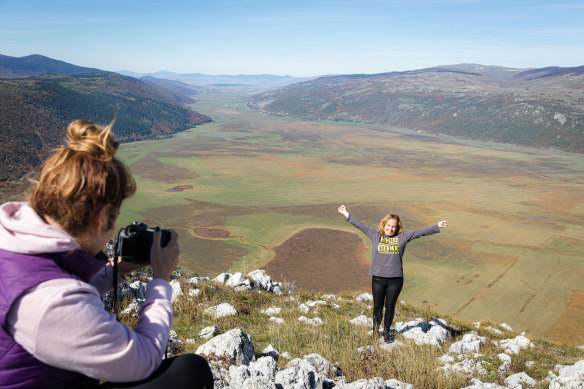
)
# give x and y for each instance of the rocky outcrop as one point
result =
(236, 363)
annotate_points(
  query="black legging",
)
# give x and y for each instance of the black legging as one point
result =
(183, 371)
(385, 290)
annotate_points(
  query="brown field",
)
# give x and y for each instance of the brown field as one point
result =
(322, 260)
(570, 328)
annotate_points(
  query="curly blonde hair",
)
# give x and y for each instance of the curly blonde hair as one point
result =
(80, 178)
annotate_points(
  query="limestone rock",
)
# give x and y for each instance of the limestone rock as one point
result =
(234, 346)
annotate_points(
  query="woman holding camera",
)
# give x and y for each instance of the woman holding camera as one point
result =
(388, 245)
(56, 332)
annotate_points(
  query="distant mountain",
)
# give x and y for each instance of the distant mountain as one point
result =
(532, 107)
(35, 111)
(260, 80)
(176, 90)
(33, 65)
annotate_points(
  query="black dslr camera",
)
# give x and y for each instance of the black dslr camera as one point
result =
(135, 242)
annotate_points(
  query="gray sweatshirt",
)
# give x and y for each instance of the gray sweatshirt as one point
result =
(386, 251)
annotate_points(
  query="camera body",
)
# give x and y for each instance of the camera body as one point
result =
(135, 242)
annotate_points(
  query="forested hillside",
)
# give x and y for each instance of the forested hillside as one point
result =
(35, 111)
(537, 107)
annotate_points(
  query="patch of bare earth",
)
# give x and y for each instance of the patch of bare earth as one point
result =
(569, 329)
(322, 260)
(149, 167)
(211, 232)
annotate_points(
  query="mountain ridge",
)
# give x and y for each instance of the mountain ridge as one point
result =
(35, 64)
(539, 108)
(35, 112)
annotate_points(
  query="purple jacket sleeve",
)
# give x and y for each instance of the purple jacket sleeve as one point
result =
(63, 323)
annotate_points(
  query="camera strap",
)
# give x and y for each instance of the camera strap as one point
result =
(115, 280)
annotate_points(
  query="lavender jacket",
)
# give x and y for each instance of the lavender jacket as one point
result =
(54, 328)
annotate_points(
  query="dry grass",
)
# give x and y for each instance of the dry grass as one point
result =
(337, 340)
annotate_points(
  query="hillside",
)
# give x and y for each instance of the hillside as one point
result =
(534, 107)
(258, 333)
(35, 111)
(33, 65)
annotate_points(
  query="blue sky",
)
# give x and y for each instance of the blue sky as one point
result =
(294, 37)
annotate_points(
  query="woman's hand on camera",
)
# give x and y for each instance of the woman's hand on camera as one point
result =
(164, 260)
(126, 267)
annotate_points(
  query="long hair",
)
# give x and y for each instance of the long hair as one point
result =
(80, 178)
(383, 222)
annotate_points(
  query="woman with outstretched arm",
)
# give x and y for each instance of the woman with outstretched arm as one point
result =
(388, 244)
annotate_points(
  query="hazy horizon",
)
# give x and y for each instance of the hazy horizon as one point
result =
(299, 39)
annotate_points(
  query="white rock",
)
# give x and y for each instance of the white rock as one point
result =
(286, 355)
(315, 363)
(277, 291)
(245, 285)
(364, 297)
(176, 290)
(370, 349)
(132, 309)
(197, 280)
(221, 310)
(506, 326)
(433, 333)
(518, 380)
(513, 346)
(329, 297)
(477, 384)
(261, 279)
(506, 362)
(276, 320)
(373, 383)
(315, 321)
(271, 351)
(235, 280)
(395, 384)
(271, 311)
(389, 346)
(304, 308)
(571, 377)
(529, 364)
(264, 366)
(221, 278)
(468, 343)
(362, 321)
(468, 366)
(194, 292)
(299, 374)
(174, 342)
(234, 346)
(315, 303)
(446, 358)
(494, 330)
(208, 332)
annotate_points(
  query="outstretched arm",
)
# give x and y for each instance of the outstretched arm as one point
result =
(443, 224)
(343, 211)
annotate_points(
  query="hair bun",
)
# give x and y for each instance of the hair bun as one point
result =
(86, 137)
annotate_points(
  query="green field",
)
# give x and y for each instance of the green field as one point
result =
(512, 251)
